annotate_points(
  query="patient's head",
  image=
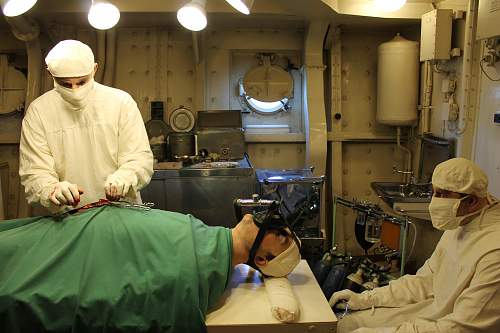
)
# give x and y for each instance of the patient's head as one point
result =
(278, 253)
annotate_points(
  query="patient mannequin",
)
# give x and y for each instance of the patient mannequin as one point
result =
(284, 305)
(123, 269)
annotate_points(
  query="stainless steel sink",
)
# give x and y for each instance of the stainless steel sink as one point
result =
(392, 192)
(408, 199)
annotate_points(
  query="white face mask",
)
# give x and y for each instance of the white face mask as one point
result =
(77, 98)
(284, 263)
(443, 213)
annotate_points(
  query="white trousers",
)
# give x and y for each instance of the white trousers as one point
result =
(381, 317)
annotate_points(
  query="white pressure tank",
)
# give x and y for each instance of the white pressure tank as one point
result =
(397, 82)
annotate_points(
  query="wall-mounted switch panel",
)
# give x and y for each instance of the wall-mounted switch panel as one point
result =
(435, 35)
(496, 118)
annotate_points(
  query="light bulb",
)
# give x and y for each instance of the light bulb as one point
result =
(16, 7)
(103, 15)
(389, 5)
(243, 6)
(193, 15)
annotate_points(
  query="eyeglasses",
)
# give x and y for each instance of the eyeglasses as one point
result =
(448, 194)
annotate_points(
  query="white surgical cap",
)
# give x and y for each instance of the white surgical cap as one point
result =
(460, 175)
(70, 58)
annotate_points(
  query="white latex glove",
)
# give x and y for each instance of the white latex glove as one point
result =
(116, 188)
(65, 193)
(284, 305)
(354, 300)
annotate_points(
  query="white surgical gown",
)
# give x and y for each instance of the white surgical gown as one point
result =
(84, 147)
(457, 290)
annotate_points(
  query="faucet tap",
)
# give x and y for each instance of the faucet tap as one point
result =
(411, 180)
(395, 170)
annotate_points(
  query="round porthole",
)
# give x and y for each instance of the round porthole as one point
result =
(267, 88)
(181, 120)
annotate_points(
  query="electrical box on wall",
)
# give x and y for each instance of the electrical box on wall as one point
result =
(488, 17)
(435, 35)
(496, 118)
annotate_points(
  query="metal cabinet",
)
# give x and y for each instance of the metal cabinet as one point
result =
(204, 190)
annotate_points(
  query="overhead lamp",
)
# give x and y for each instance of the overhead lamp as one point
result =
(193, 15)
(243, 6)
(389, 5)
(16, 7)
(103, 15)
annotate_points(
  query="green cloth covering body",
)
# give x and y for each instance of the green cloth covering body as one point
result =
(111, 269)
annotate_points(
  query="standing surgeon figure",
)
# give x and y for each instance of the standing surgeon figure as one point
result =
(457, 290)
(82, 141)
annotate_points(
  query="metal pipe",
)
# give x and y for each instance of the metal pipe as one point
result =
(109, 70)
(427, 98)
(408, 152)
(334, 221)
(3, 209)
(27, 30)
(101, 55)
(470, 32)
(196, 50)
(34, 70)
(402, 237)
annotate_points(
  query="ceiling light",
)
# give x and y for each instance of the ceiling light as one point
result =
(103, 15)
(193, 15)
(389, 5)
(243, 6)
(16, 7)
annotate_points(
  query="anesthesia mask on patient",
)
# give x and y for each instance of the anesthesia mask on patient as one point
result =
(267, 218)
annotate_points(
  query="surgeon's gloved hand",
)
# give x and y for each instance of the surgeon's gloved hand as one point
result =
(354, 300)
(65, 193)
(116, 188)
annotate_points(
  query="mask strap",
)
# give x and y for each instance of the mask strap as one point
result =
(481, 215)
(255, 246)
(491, 199)
(260, 236)
(267, 224)
(491, 202)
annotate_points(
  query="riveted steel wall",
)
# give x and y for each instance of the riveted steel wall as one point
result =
(363, 151)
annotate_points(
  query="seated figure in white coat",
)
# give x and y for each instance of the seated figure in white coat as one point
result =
(457, 290)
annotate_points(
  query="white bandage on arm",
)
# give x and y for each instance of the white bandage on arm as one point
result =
(284, 305)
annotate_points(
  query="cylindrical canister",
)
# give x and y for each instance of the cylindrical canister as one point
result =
(397, 82)
(181, 145)
(334, 280)
(322, 268)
